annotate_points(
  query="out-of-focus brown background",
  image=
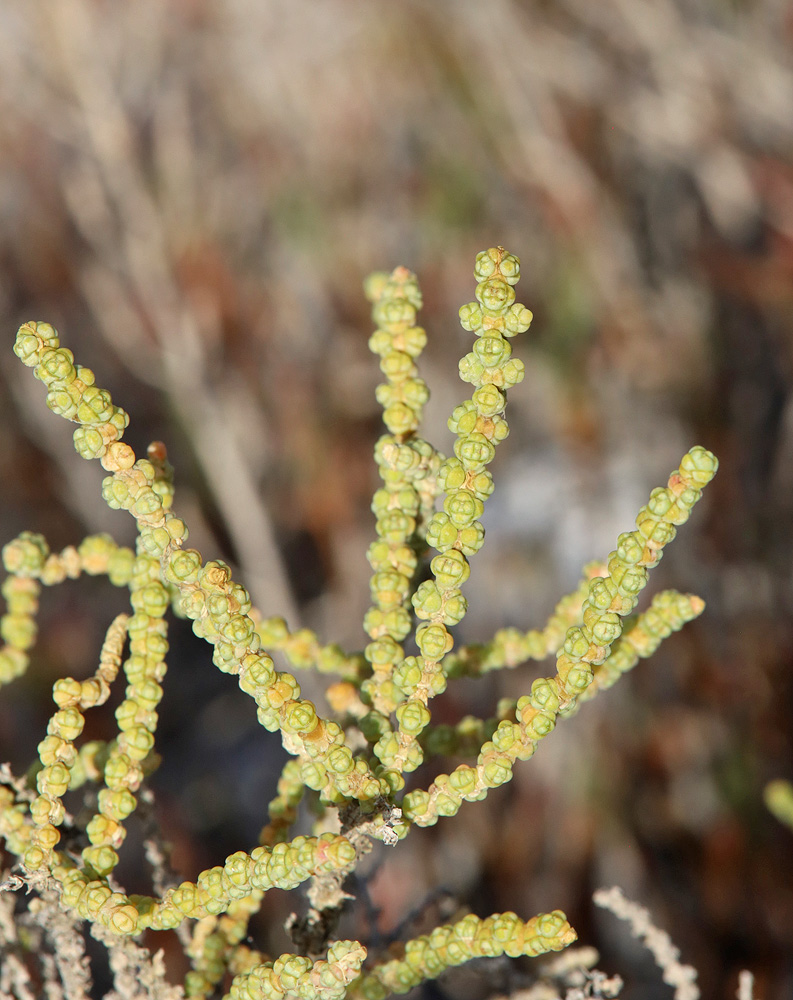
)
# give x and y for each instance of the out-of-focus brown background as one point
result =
(192, 192)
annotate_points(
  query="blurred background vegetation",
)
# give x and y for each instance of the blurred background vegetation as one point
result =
(193, 192)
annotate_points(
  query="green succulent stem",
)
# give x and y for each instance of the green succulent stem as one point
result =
(456, 532)
(428, 956)
(218, 607)
(609, 599)
(408, 468)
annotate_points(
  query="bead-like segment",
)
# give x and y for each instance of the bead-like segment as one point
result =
(214, 946)
(426, 957)
(71, 392)
(220, 610)
(24, 559)
(456, 531)
(284, 866)
(615, 595)
(669, 611)
(282, 809)
(59, 756)
(408, 468)
(398, 342)
(18, 625)
(218, 607)
(585, 647)
(145, 669)
(16, 823)
(294, 976)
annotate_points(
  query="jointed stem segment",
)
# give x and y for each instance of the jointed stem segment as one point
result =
(586, 646)
(456, 532)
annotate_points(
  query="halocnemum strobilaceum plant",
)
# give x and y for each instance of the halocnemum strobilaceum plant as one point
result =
(357, 763)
